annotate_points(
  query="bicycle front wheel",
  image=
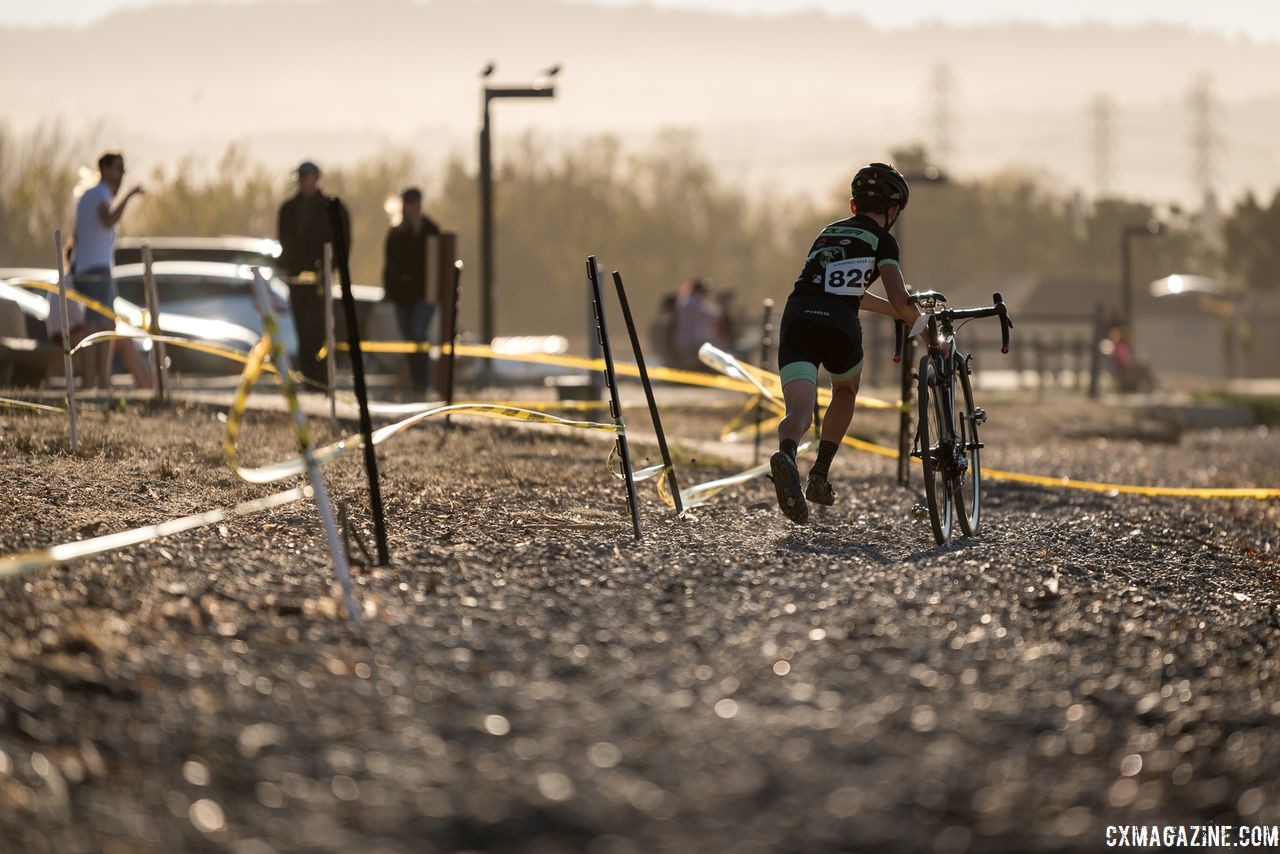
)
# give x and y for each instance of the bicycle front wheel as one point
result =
(970, 487)
(934, 439)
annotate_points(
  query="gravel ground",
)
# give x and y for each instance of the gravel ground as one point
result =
(527, 678)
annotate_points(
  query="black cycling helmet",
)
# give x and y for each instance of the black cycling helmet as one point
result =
(880, 182)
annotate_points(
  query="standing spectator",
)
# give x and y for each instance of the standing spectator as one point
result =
(1131, 373)
(663, 329)
(728, 324)
(303, 229)
(95, 249)
(404, 281)
(695, 323)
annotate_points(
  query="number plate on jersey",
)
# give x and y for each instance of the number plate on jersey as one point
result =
(848, 278)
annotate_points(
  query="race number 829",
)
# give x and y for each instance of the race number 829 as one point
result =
(849, 278)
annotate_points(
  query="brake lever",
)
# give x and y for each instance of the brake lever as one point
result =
(898, 327)
(1005, 323)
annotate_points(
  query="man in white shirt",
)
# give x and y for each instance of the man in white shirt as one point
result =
(94, 255)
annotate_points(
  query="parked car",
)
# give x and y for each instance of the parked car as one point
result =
(27, 355)
(213, 290)
(229, 250)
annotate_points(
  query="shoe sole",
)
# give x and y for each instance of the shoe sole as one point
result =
(786, 483)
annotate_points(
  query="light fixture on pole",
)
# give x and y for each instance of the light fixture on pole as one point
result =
(541, 89)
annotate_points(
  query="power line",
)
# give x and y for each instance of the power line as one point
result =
(1102, 121)
(1205, 113)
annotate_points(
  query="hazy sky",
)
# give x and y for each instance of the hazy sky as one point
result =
(1258, 19)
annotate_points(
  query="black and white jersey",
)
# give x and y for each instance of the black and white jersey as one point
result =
(846, 257)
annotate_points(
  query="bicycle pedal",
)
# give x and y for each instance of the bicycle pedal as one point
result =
(979, 415)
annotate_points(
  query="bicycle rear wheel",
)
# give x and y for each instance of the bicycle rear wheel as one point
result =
(934, 440)
(970, 489)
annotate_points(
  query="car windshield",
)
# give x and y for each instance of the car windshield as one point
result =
(184, 288)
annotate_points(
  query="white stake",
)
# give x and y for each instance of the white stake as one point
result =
(280, 356)
(330, 346)
(153, 319)
(67, 369)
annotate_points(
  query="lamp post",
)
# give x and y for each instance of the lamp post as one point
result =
(1150, 228)
(493, 93)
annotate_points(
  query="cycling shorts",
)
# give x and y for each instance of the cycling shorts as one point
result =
(819, 330)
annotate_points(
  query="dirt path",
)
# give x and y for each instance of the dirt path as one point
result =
(529, 679)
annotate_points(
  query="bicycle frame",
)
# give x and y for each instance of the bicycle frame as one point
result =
(950, 448)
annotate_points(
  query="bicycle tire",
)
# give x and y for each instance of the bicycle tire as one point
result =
(937, 485)
(970, 488)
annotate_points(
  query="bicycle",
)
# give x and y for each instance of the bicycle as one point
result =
(946, 441)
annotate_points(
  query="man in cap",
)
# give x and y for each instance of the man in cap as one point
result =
(303, 229)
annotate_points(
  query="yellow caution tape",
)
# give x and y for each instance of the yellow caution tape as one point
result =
(40, 558)
(1260, 493)
(769, 384)
(27, 404)
(135, 334)
(240, 398)
(74, 296)
(483, 351)
(295, 465)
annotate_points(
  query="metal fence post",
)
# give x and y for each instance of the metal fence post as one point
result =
(611, 379)
(1095, 357)
(68, 369)
(330, 339)
(337, 219)
(670, 472)
(158, 357)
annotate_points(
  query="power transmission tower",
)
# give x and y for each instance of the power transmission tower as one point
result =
(1101, 117)
(942, 97)
(1205, 139)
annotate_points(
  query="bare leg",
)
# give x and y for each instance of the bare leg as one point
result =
(799, 396)
(840, 412)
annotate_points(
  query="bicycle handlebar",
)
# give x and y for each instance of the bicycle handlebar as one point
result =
(998, 309)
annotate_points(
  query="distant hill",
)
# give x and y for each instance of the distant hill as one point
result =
(788, 102)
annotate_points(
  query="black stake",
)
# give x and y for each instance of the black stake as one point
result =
(648, 392)
(338, 220)
(611, 380)
(766, 340)
(451, 358)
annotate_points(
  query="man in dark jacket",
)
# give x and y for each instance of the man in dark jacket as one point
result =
(303, 229)
(404, 280)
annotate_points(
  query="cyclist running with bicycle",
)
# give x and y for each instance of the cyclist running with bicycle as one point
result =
(820, 326)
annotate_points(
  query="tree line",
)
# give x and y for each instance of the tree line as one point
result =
(661, 215)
